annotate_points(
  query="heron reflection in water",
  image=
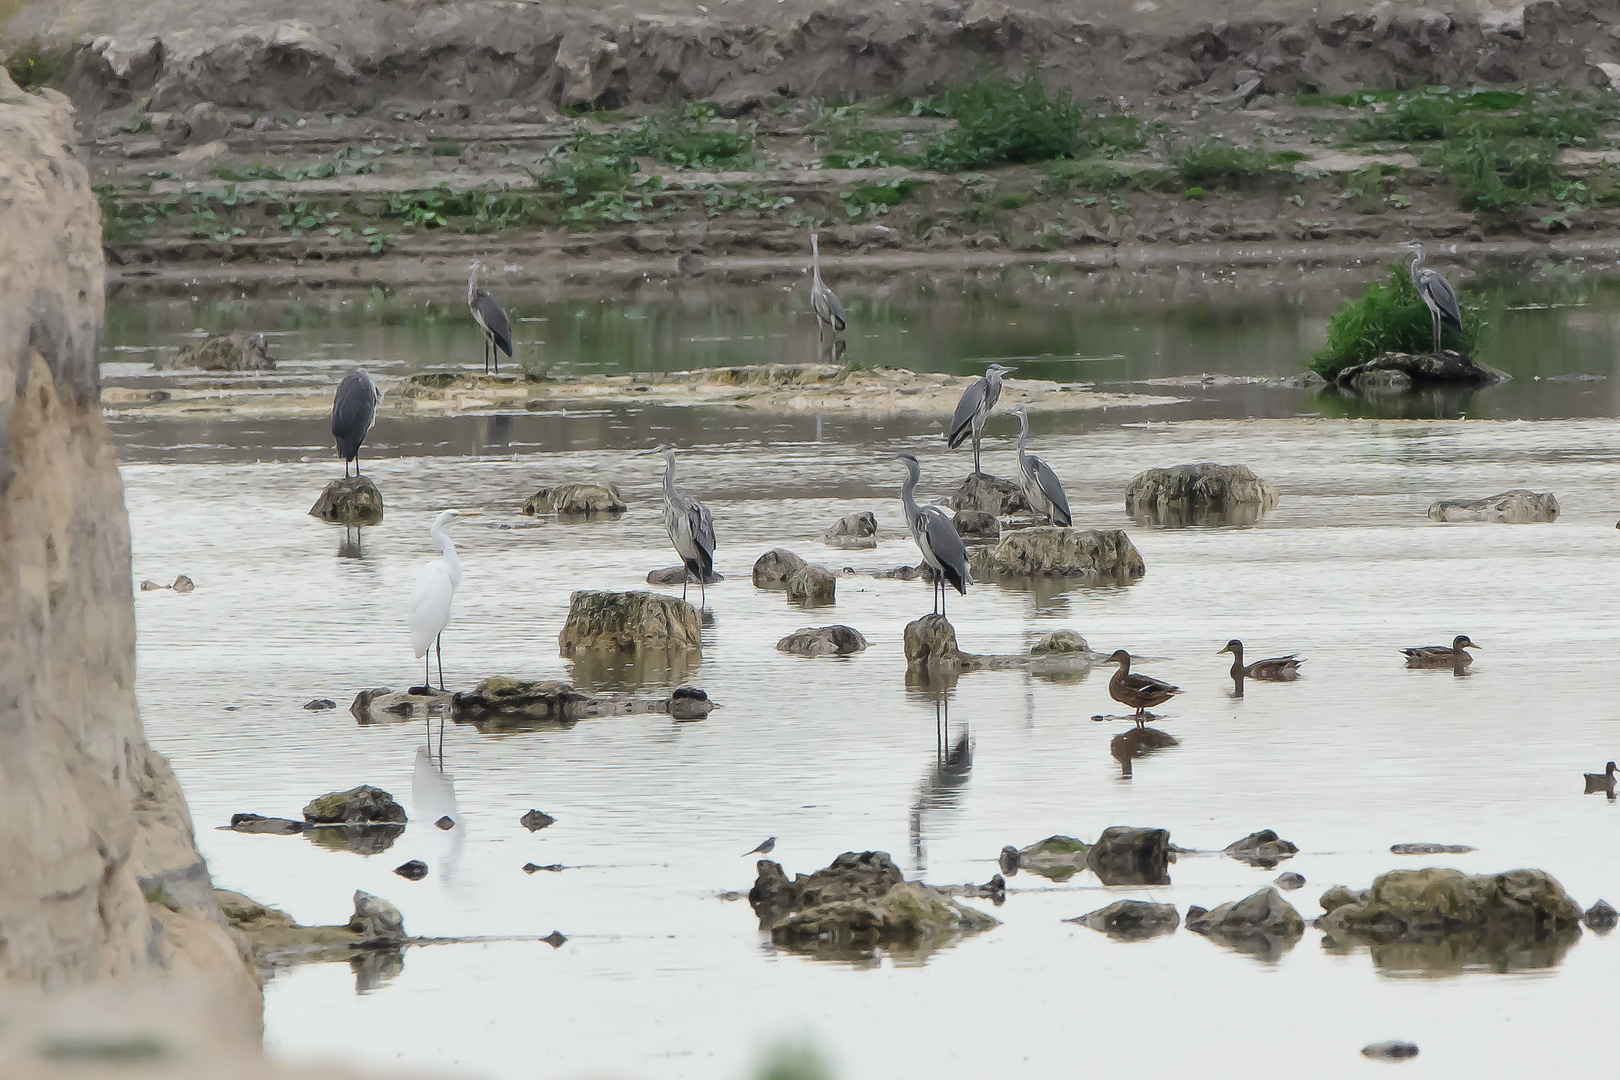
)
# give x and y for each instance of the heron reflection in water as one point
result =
(940, 788)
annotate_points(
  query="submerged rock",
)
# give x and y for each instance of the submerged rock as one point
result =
(1010, 860)
(535, 868)
(864, 875)
(1401, 372)
(773, 569)
(853, 531)
(353, 501)
(823, 641)
(273, 939)
(1516, 507)
(1056, 858)
(1262, 924)
(680, 575)
(976, 525)
(320, 705)
(1429, 849)
(359, 805)
(688, 703)
(1059, 642)
(813, 584)
(990, 495)
(415, 870)
(1132, 920)
(535, 820)
(275, 826)
(1600, 918)
(576, 500)
(1200, 494)
(1129, 856)
(447, 822)
(627, 621)
(1393, 1050)
(382, 705)
(1263, 849)
(499, 702)
(222, 352)
(1095, 555)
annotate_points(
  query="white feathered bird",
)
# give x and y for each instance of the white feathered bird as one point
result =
(435, 588)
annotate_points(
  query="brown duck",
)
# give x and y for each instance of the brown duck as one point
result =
(1140, 692)
(1600, 781)
(1275, 669)
(1440, 655)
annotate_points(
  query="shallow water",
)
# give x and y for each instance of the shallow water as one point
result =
(659, 977)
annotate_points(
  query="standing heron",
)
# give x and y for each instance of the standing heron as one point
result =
(354, 410)
(1435, 292)
(1041, 488)
(436, 583)
(487, 313)
(974, 409)
(690, 527)
(823, 301)
(936, 537)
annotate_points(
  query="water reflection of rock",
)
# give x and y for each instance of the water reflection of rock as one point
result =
(941, 786)
(374, 967)
(595, 669)
(1136, 744)
(359, 839)
(1459, 952)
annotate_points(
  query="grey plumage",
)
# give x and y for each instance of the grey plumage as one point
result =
(1041, 488)
(767, 846)
(354, 410)
(1435, 291)
(690, 527)
(487, 313)
(974, 409)
(936, 536)
(823, 301)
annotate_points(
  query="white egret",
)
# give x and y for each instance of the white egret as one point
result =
(435, 588)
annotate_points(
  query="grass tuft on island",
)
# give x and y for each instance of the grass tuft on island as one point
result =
(1390, 317)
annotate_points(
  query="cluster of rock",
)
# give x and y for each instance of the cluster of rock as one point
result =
(222, 352)
(1401, 373)
(576, 501)
(808, 583)
(1200, 494)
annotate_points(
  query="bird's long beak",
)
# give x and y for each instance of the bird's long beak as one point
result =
(645, 453)
(469, 513)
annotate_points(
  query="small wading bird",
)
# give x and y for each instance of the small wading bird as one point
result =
(435, 588)
(354, 410)
(974, 409)
(690, 527)
(1441, 656)
(1276, 669)
(766, 846)
(1041, 488)
(1140, 692)
(490, 319)
(1601, 781)
(936, 537)
(1435, 291)
(823, 301)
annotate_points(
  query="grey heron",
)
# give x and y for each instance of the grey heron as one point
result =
(823, 301)
(354, 410)
(1435, 292)
(690, 526)
(487, 313)
(936, 537)
(436, 584)
(1041, 488)
(974, 409)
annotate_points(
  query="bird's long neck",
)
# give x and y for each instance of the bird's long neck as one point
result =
(452, 561)
(907, 499)
(815, 261)
(1237, 658)
(1417, 261)
(669, 478)
(472, 284)
(1023, 438)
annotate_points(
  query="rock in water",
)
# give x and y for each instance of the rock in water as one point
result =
(1263, 849)
(1127, 856)
(813, 584)
(499, 701)
(1429, 849)
(415, 870)
(535, 820)
(773, 569)
(375, 919)
(1100, 556)
(255, 823)
(320, 704)
(823, 641)
(1059, 643)
(688, 703)
(1010, 860)
(1263, 924)
(576, 500)
(1393, 1050)
(990, 495)
(931, 642)
(1056, 858)
(629, 621)
(854, 531)
(680, 575)
(976, 525)
(1405, 904)
(1400, 372)
(357, 806)
(1516, 507)
(1132, 920)
(183, 584)
(1601, 917)
(353, 501)
(1289, 881)
(446, 822)
(222, 352)
(1201, 494)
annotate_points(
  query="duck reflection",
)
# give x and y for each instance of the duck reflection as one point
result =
(941, 785)
(1138, 743)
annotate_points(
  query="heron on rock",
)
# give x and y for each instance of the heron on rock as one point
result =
(435, 588)
(974, 409)
(487, 313)
(1435, 292)
(354, 410)
(1041, 488)
(690, 527)
(936, 537)
(823, 301)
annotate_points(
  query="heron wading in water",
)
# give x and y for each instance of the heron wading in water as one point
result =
(354, 410)
(936, 537)
(1435, 292)
(487, 313)
(823, 301)
(435, 588)
(1041, 488)
(690, 527)
(974, 409)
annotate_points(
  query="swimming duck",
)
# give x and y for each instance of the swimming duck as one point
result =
(1440, 656)
(1600, 781)
(1276, 669)
(1140, 692)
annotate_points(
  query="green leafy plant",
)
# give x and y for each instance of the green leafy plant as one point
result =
(1002, 121)
(1390, 317)
(1215, 162)
(874, 200)
(846, 144)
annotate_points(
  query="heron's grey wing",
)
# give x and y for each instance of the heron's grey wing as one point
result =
(835, 309)
(1052, 489)
(966, 410)
(494, 320)
(1444, 298)
(354, 407)
(946, 544)
(702, 525)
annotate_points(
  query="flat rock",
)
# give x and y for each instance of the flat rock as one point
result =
(498, 702)
(1516, 507)
(276, 826)
(630, 621)
(359, 805)
(382, 705)
(1403, 904)
(273, 939)
(1098, 556)
(976, 525)
(1399, 373)
(1129, 856)
(1262, 924)
(773, 569)
(535, 868)
(990, 495)
(680, 575)
(813, 584)
(1132, 920)
(1392, 1050)
(1199, 494)
(222, 352)
(535, 820)
(1263, 849)
(576, 501)
(1056, 858)
(853, 531)
(353, 501)
(447, 822)
(823, 641)
(1429, 849)
(1059, 643)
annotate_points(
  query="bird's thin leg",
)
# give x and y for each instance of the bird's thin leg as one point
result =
(439, 647)
(427, 672)
(942, 587)
(1434, 317)
(976, 470)
(685, 581)
(703, 593)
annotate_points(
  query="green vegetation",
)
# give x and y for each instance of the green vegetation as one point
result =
(846, 144)
(873, 200)
(1217, 162)
(1002, 121)
(32, 66)
(1389, 317)
(1103, 175)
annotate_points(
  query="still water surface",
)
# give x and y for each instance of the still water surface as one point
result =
(660, 978)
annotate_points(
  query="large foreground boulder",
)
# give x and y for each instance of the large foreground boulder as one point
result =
(1096, 556)
(629, 621)
(1200, 494)
(823, 641)
(1516, 507)
(1128, 856)
(576, 501)
(222, 352)
(773, 569)
(1263, 924)
(1400, 373)
(353, 501)
(990, 495)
